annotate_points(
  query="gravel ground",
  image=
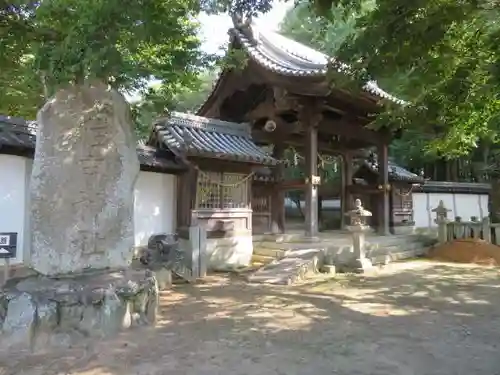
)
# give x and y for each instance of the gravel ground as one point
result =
(409, 318)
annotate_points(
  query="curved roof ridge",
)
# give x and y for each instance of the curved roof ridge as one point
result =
(283, 55)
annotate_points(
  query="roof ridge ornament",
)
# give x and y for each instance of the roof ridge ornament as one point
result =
(244, 26)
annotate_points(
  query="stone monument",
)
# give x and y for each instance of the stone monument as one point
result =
(82, 198)
(82, 184)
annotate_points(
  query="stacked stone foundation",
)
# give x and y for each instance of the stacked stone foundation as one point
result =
(38, 311)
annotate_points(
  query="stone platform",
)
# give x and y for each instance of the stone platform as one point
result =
(39, 311)
(296, 260)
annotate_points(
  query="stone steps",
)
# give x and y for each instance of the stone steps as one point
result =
(280, 238)
(383, 252)
(262, 259)
(265, 250)
(396, 252)
(298, 261)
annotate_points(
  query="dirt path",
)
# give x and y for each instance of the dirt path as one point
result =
(415, 318)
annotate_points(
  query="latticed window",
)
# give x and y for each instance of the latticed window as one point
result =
(402, 200)
(222, 190)
(261, 204)
(208, 190)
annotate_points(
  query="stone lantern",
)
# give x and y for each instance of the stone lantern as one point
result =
(358, 215)
(442, 221)
(358, 227)
(441, 213)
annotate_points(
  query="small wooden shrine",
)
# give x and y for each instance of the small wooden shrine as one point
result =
(283, 91)
(216, 192)
(366, 187)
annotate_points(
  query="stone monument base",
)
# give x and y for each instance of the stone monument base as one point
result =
(38, 311)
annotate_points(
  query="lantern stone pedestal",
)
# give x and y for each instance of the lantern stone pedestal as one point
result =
(359, 263)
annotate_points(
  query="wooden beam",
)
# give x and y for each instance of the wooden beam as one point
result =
(352, 129)
(296, 183)
(297, 141)
(344, 128)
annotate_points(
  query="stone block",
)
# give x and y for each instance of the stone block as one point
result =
(164, 277)
(40, 311)
(328, 269)
(229, 253)
(82, 182)
(20, 320)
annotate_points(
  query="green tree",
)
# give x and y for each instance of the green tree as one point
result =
(189, 99)
(450, 53)
(185, 97)
(301, 23)
(45, 45)
(446, 51)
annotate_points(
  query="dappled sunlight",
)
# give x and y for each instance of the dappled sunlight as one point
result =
(379, 309)
(95, 371)
(413, 288)
(395, 321)
(270, 313)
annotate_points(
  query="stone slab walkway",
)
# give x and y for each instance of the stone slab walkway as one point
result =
(417, 318)
(292, 268)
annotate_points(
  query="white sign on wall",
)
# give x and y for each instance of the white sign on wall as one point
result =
(4, 240)
(8, 245)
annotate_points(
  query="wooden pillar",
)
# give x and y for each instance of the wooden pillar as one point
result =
(345, 195)
(311, 193)
(391, 208)
(309, 116)
(383, 168)
(278, 194)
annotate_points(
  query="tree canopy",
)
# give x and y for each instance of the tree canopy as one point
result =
(183, 98)
(442, 56)
(448, 51)
(302, 24)
(44, 45)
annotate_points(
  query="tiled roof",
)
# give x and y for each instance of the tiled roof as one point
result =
(396, 172)
(284, 56)
(200, 136)
(16, 133)
(157, 160)
(454, 187)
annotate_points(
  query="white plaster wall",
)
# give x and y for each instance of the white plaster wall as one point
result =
(464, 205)
(155, 205)
(27, 225)
(14, 180)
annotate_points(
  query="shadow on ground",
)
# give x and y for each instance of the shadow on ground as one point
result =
(411, 318)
